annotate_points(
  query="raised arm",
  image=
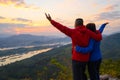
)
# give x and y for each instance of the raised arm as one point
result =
(97, 36)
(59, 26)
(102, 27)
(87, 49)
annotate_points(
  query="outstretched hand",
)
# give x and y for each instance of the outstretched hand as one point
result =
(48, 17)
(106, 23)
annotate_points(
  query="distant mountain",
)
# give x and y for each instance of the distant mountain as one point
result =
(27, 40)
(4, 35)
(110, 46)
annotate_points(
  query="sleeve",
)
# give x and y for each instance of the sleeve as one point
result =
(102, 28)
(96, 36)
(62, 28)
(87, 49)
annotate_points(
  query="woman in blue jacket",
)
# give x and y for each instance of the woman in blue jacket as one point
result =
(94, 49)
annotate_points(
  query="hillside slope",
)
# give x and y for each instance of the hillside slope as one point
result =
(55, 64)
(42, 66)
(110, 46)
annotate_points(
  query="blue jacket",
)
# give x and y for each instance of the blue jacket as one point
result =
(93, 47)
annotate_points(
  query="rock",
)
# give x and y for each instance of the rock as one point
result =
(107, 77)
(104, 77)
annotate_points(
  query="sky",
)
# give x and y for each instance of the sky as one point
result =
(27, 16)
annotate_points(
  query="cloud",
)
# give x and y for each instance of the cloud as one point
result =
(5, 20)
(110, 7)
(9, 2)
(35, 30)
(8, 28)
(2, 17)
(27, 30)
(22, 19)
(6, 25)
(111, 15)
(17, 3)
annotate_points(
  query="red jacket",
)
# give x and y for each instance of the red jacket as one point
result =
(80, 36)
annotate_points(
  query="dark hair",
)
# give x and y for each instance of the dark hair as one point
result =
(91, 26)
(78, 22)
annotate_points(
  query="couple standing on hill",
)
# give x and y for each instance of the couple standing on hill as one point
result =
(85, 47)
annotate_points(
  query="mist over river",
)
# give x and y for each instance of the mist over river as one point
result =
(17, 57)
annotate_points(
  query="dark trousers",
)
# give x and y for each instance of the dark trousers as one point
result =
(79, 70)
(93, 69)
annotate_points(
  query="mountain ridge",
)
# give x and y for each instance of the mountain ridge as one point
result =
(28, 40)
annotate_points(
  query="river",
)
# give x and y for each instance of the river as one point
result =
(17, 57)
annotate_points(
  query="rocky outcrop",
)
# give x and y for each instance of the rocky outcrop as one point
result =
(107, 77)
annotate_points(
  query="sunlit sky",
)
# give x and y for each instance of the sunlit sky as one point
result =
(27, 16)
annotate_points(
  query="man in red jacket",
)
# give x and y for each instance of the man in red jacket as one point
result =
(80, 35)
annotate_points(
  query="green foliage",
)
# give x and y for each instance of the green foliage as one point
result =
(111, 67)
(64, 73)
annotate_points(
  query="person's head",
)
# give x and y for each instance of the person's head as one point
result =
(78, 22)
(91, 26)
